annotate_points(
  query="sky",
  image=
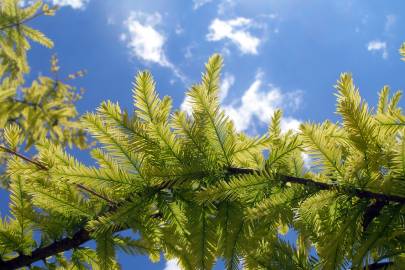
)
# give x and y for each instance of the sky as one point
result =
(277, 54)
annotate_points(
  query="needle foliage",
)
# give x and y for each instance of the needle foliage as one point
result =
(189, 186)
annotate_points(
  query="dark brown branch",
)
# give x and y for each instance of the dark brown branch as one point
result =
(68, 243)
(371, 212)
(56, 247)
(360, 193)
(377, 265)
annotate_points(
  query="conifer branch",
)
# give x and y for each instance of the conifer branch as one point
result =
(83, 235)
(110, 202)
(43, 167)
(31, 104)
(360, 193)
(56, 247)
(79, 238)
(16, 24)
(15, 153)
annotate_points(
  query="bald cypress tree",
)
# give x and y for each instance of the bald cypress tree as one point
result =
(189, 185)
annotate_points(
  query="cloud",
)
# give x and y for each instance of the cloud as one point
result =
(172, 265)
(259, 104)
(144, 40)
(200, 3)
(179, 29)
(188, 51)
(390, 21)
(75, 4)
(225, 6)
(378, 46)
(186, 105)
(147, 43)
(226, 84)
(307, 160)
(289, 123)
(256, 105)
(235, 30)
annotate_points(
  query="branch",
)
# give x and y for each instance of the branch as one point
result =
(15, 153)
(360, 193)
(14, 24)
(377, 265)
(32, 104)
(43, 167)
(83, 235)
(38, 254)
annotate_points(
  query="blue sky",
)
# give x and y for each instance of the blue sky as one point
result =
(278, 54)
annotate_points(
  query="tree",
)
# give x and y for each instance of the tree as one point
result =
(190, 186)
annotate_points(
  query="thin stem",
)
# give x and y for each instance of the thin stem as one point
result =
(110, 202)
(43, 167)
(15, 153)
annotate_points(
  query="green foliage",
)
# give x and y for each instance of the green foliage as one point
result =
(190, 186)
(15, 35)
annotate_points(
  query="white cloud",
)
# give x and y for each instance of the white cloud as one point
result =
(76, 4)
(200, 3)
(226, 83)
(147, 43)
(307, 160)
(256, 104)
(378, 46)
(172, 265)
(235, 30)
(289, 123)
(186, 105)
(144, 40)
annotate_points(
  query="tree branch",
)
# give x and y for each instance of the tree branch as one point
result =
(56, 247)
(83, 235)
(14, 24)
(377, 265)
(43, 167)
(15, 153)
(360, 193)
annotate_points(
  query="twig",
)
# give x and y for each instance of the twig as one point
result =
(15, 153)
(43, 167)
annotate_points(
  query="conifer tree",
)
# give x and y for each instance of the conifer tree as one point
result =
(190, 186)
